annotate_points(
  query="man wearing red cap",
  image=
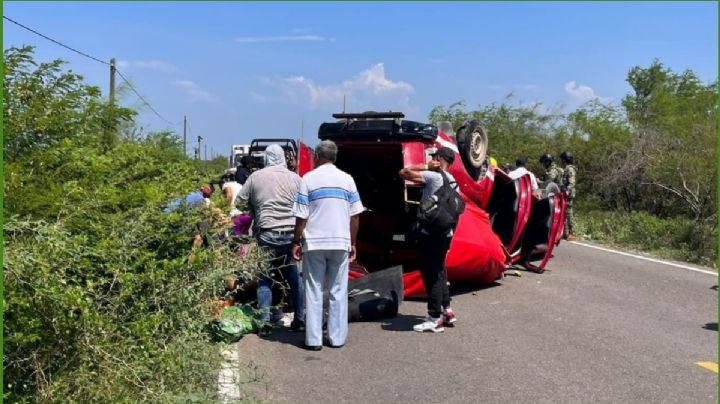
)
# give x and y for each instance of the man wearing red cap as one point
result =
(431, 248)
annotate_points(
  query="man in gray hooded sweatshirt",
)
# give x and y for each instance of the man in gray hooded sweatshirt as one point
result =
(270, 195)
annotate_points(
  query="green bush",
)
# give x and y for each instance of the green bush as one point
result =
(104, 298)
(104, 305)
(677, 238)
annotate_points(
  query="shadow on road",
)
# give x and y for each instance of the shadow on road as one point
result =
(711, 326)
(469, 287)
(286, 336)
(714, 287)
(460, 288)
(403, 322)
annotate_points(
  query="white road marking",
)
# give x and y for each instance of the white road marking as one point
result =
(229, 375)
(689, 268)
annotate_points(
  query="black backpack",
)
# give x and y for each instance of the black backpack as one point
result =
(439, 214)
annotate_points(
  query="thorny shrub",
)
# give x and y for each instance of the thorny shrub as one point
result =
(104, 298)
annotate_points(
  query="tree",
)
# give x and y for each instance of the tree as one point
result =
(43, 105)
(513, 130)
(601, 137)
(674, 117)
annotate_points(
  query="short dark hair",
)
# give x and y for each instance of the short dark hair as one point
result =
(246, 161)
(520, 162)
(446, 154)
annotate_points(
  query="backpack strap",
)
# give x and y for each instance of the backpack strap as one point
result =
(447, 180)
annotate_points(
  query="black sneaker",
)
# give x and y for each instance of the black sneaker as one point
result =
(297, 325)
(327, 343)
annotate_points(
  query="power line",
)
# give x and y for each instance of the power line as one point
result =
(52, 40)
(143, 99)
(97, 60)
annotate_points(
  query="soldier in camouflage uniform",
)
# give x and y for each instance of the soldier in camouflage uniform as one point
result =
(568, 187)
(553, 173)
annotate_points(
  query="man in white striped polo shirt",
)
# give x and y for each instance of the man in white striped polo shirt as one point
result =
(326, 210)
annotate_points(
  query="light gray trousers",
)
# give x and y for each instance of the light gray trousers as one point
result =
(330, 266)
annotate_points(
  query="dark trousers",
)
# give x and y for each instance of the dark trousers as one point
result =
(431, 253)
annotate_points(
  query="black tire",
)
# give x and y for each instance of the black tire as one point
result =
(472, 143)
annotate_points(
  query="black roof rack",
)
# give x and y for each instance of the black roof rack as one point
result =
(368, 115)
(372, 125)
(260, 144)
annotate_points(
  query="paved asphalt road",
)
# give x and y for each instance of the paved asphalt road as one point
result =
(598, 327)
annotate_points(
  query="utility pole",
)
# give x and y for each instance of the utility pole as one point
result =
(197, 155)
(343, 104)
(205, 151)
(112, 81)
(110, 134)
(185, 135)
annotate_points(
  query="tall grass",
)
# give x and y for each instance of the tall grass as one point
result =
(674, 238)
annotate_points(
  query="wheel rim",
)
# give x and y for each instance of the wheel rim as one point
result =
(477, 147)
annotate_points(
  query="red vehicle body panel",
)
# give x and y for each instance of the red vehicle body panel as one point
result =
(477, 254)
(305, 159)
(525, 185)
(556, 230)
(413, 153)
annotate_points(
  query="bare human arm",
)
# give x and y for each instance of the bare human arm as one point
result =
(228, 196)
(354, 226)
(412, 173)
(297, 246)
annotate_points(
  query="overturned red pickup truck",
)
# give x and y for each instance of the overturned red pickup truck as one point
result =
(503, 222)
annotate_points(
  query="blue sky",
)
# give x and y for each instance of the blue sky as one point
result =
(245, 70)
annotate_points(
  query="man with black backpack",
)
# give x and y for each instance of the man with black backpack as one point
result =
(440, 208)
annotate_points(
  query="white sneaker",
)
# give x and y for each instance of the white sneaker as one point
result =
(430, 324)
(449, 317)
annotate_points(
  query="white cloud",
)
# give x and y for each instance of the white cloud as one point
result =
(154, 65)
(581, 94)
(281, 38)
(368, 90)
(194, 91)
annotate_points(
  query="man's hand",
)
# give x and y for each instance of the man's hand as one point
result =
(297, 252)
(353, 254)
(412, 173)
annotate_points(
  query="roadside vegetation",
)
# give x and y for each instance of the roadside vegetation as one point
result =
(647, 168)
(104, 298)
